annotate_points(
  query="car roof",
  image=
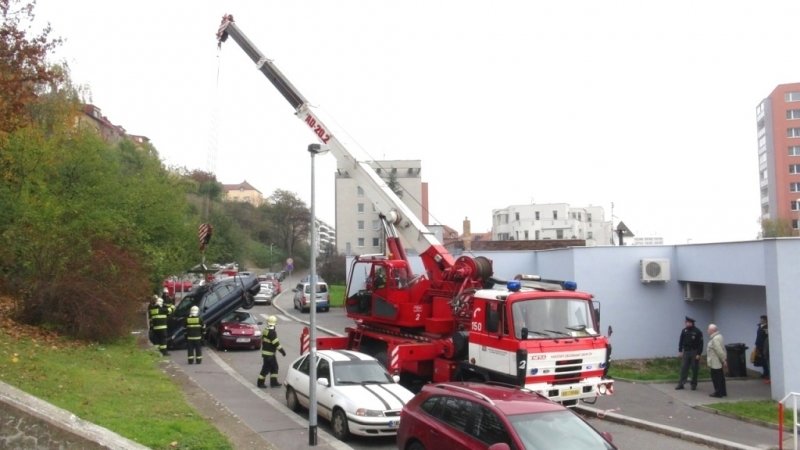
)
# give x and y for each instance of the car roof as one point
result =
(345, 355)
(508, 399)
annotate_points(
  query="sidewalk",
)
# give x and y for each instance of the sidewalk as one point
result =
(660, 408)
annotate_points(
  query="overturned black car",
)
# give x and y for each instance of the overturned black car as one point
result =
(215, 300)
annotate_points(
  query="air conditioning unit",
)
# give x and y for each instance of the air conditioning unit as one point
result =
(697, 291)
(654, 270)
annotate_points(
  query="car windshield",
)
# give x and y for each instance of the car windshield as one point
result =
(321, 288)
(360, 372)
(553, 317)
(240, 317)
(557, 429)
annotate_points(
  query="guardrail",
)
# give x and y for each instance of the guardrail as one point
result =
(796, 426)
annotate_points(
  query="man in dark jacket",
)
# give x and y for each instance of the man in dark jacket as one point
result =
(269, 345)
(690, 347)
(158, 323)
(762, 346)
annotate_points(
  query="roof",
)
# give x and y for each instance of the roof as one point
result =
(508, 399)
(244, 186)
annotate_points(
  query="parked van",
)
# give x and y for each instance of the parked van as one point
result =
(302, 297)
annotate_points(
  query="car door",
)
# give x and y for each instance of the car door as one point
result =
(455, 415)
(297, 378)
(326, 396)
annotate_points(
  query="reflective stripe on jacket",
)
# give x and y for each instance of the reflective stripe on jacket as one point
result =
(194, 328)
(270, 343)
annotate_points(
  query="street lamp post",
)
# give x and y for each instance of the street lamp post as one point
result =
(313, 149)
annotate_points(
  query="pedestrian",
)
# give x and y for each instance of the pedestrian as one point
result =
(762, 348)
(690, 347)
(194, 335)
(716, 357)
(158, 323)
(269, 345)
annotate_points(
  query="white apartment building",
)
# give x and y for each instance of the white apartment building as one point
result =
(551, 221)
(326, 236)
(358, 229)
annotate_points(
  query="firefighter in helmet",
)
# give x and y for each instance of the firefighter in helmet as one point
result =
(269, 345)
(195, 329)
(158, 313)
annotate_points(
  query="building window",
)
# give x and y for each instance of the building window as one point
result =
(526, 235)
(794, 187)
(793, 132)
(794, 168)
(795, 224)
(376, 225)
(589, 235)
(359, 191)
(792, 96)
(361, 208)
(793, 114)
(794, 150)
(376, 242)
(537, 215)
(555, 215)
(516, 216)
(360, 242)
(559, 233)
(589, 217)
(536, 233)
(795, 205)
(360, 225)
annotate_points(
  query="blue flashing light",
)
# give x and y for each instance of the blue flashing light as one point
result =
(514, 285)
(569, 285)
(602, 365)
(534, 371)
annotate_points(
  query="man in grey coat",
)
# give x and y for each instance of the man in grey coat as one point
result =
(716, 356)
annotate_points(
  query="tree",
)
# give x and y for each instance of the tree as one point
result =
(289, 221)
(24, 70)
(776, 228)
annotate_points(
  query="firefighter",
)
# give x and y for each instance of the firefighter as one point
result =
(194, 335)
(158, 323)
(269, 345)
(152, 310)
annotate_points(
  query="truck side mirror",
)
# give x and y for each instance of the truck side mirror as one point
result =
(524, 333)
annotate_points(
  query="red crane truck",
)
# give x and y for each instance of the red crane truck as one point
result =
(455, 320)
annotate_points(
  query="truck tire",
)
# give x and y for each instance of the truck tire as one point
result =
(248, 301)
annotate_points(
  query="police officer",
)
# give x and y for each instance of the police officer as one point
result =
(269, 345)
(690, 347)
(158, 323)
(194, 335)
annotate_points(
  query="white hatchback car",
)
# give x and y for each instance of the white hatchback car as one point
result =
(265, 293)
(354, 392)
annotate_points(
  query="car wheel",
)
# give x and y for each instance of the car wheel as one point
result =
(291, 399)
(339, 425)
(326, 309)
(416, 445)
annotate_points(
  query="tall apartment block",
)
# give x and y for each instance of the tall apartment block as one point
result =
(778, 125)
(358, 229)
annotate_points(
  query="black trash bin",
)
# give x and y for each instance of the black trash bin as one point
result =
(737, 365)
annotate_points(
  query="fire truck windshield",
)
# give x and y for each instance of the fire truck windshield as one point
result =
(547, 318)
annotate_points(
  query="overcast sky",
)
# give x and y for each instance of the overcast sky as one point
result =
(647, 105)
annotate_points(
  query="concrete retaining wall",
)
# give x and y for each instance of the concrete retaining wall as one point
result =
(27, 422)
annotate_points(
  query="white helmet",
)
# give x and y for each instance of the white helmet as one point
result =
(272, 320)
(155, 298)
(166, 290)
(194, 310)
(159, 301)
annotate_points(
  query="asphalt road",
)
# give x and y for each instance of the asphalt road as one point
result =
(247, 363)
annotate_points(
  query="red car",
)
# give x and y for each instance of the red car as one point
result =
(491, 416)
(237, 330)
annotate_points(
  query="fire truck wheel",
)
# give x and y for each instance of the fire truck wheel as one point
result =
(339, 425)
(291, 399)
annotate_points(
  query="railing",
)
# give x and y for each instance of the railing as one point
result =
(795, 426)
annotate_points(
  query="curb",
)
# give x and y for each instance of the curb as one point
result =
(675, 432)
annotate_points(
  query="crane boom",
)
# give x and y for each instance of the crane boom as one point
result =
(387, 203)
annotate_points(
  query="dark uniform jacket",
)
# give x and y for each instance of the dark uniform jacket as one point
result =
(194, 328)
(270, 343)
(691, 339)
(158, 317)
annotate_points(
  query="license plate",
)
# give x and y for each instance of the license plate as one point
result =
(570, 392)
(394, 423)
(242, 339)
